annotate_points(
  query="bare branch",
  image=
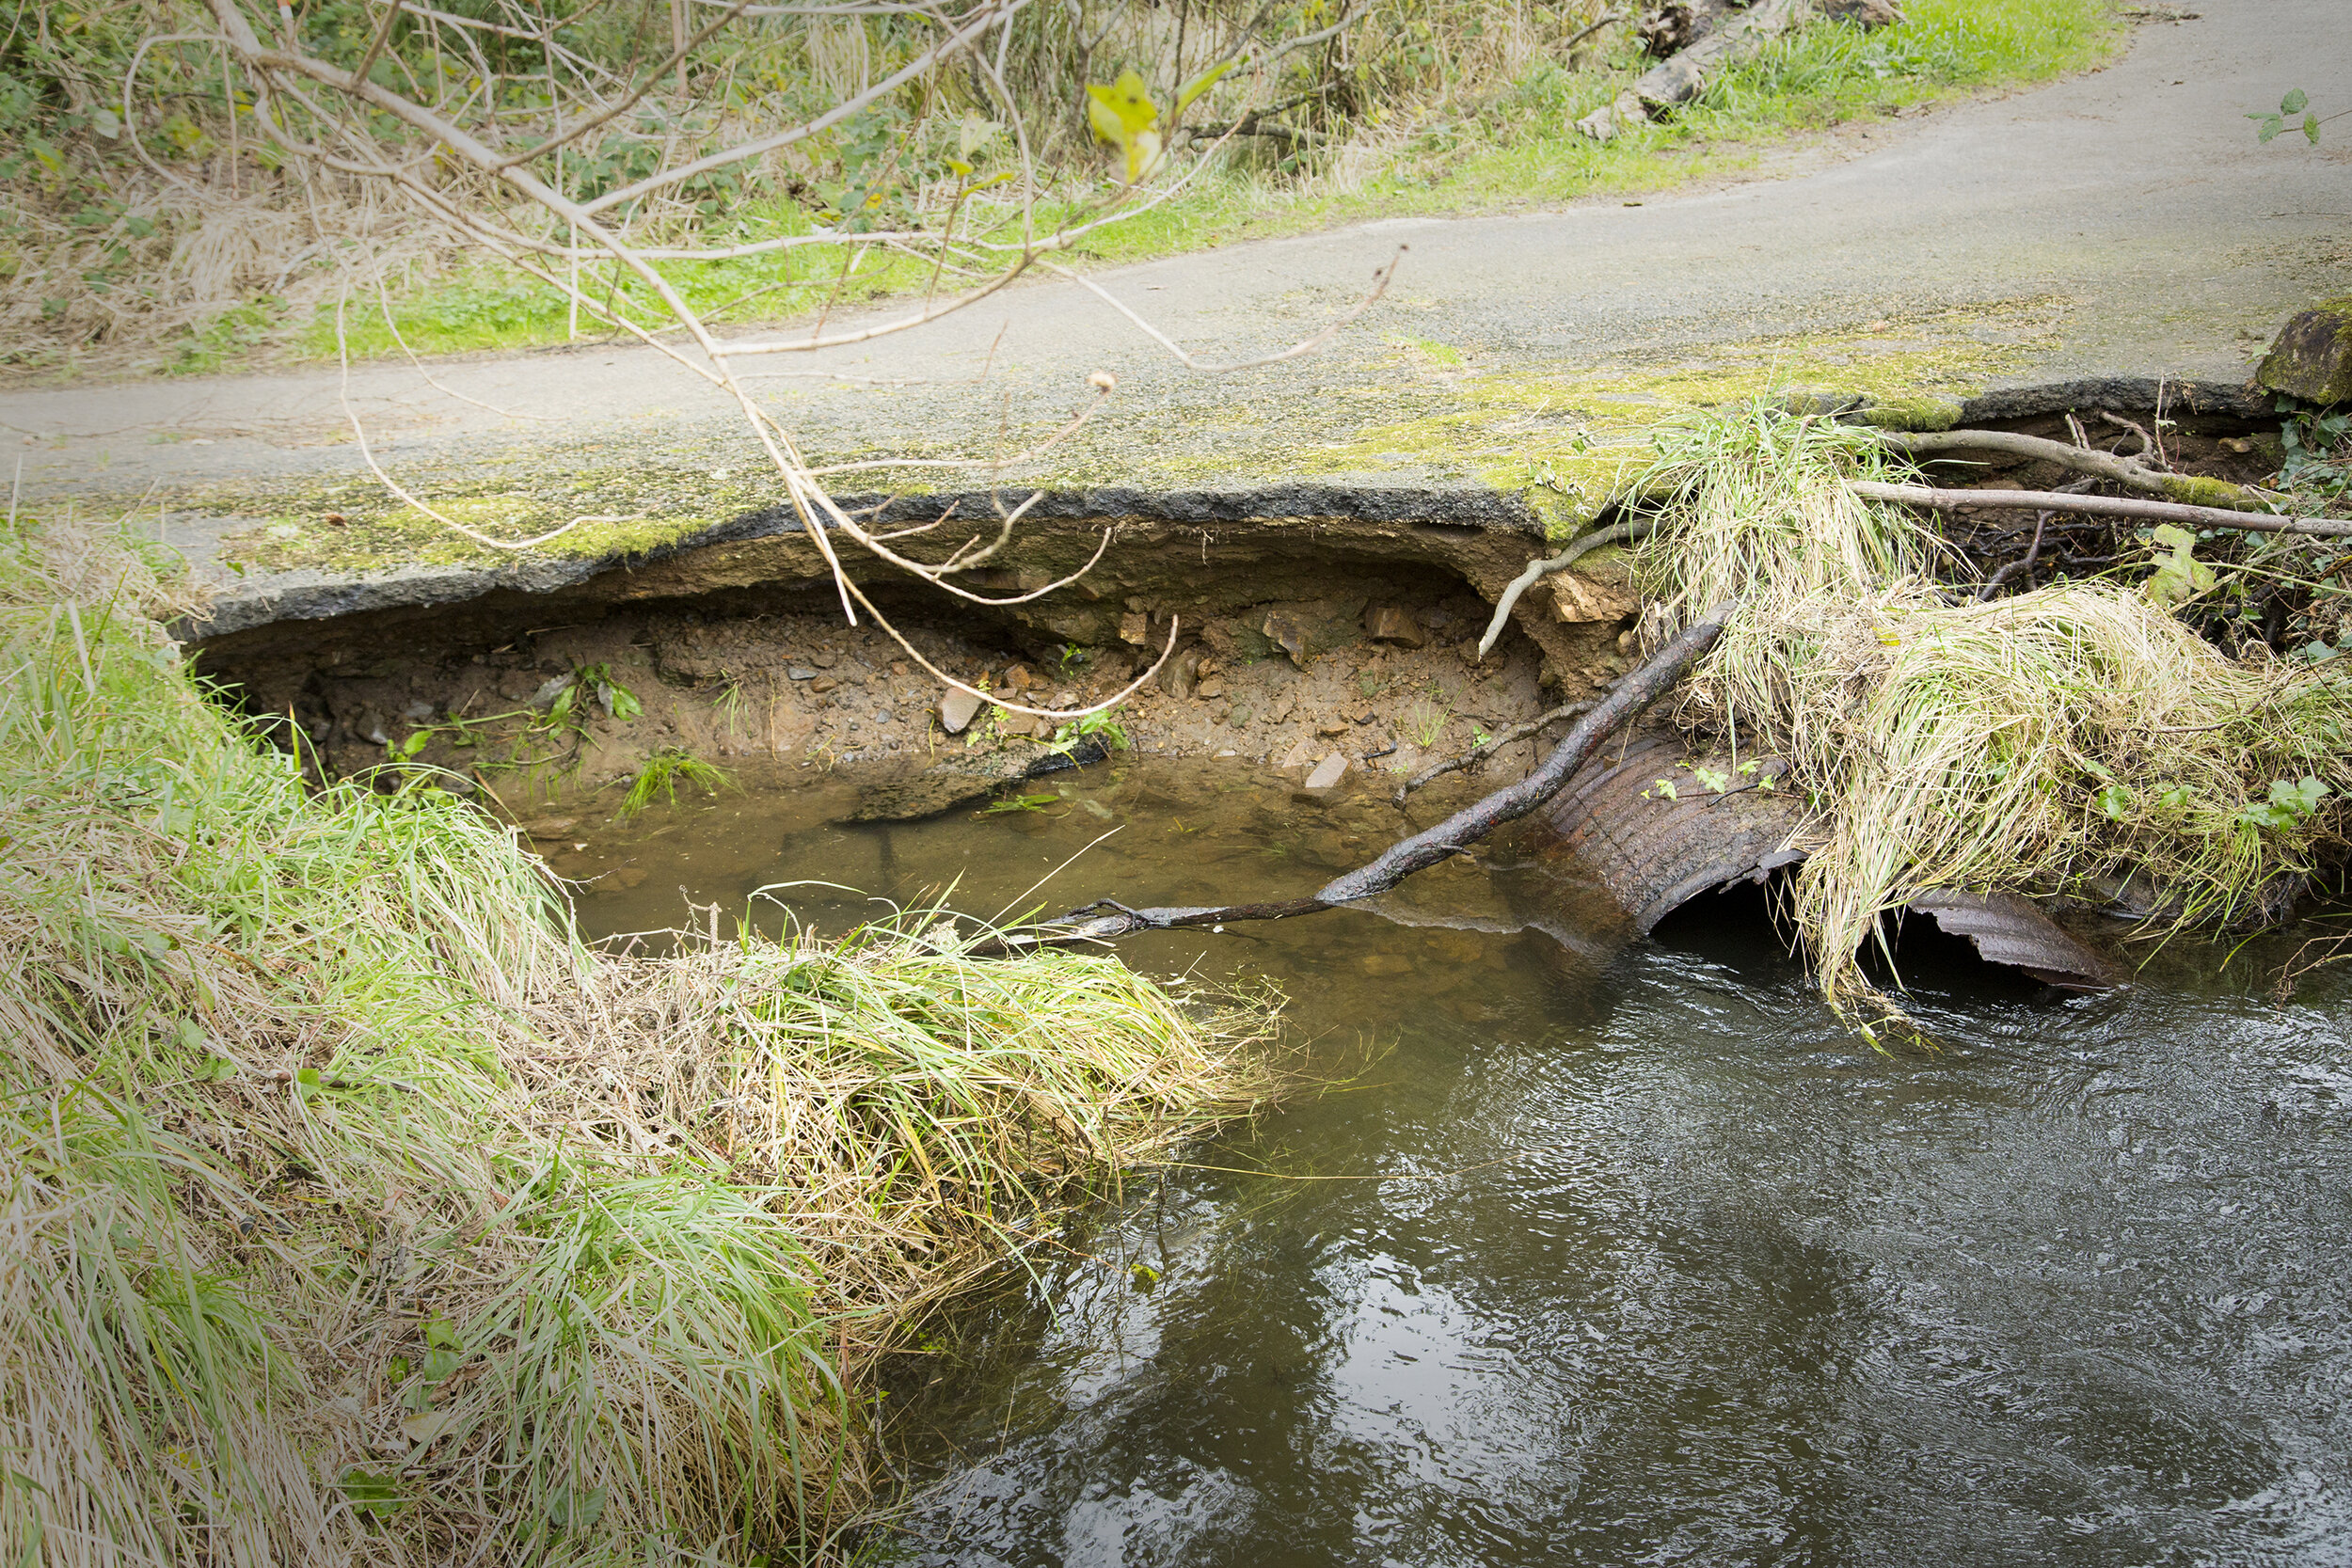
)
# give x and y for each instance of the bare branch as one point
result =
(1380, 281)
(2102, 506)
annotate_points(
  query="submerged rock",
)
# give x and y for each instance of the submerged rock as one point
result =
(1327, 773)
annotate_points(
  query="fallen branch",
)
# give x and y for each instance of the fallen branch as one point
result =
(2101, 506)
(1616, 533)
(1685, 76)
(1418, 853)
(2122, 471)
(1488, 747)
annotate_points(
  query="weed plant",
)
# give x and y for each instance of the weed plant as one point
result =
(2050, 742)
(355, 1211)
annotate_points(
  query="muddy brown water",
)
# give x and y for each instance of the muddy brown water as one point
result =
(1617, 1253)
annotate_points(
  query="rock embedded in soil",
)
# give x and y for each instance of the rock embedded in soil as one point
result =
(957, 710)
(2311, 358)
(1392, 623)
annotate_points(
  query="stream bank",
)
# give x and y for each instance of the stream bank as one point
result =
(1339, 645)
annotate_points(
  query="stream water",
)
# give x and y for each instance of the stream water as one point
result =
(1623, 1253)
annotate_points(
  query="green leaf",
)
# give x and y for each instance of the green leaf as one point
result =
(370, 1491)
(308, 1077)
(415, 743)
(2179, 577)
(2116, 801)
(440, 1334)
(2294, 102)
(568, 1508)
(1200, 83)
(2310, 129)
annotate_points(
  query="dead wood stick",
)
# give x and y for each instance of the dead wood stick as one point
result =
(1421, 851)
(2102, 506)
(1583, 544)
(1488, 747)
(2127, 471)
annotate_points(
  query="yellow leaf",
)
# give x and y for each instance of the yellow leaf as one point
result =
(1121, 112)
(1143, 151)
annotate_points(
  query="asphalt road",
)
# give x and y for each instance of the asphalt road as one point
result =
(2132, 208)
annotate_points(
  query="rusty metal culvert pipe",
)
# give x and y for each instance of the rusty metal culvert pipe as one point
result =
(1657, 826)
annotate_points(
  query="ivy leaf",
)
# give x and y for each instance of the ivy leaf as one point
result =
(2294, 102)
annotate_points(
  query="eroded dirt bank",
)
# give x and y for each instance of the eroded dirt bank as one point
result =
(1299, 640)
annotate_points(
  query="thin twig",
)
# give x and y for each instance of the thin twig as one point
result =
(1490, 746)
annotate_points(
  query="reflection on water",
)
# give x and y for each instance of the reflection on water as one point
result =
(1630, 1254)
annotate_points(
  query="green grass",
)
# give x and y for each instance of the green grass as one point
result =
(1504, 149)
(2041, 743)
(355, 1211)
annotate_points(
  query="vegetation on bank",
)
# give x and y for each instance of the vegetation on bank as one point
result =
(184, 237)
(2080, 739)
(357, 1211)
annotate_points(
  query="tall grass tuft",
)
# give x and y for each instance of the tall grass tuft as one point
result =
(2044, 743)
(352, 1210)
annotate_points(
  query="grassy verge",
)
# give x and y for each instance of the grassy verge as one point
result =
(2053, 742)
(1509, 146)
(355, 1211)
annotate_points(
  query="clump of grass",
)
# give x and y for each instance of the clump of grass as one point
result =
(663, 772)
(2036, 744)
(355, 1211)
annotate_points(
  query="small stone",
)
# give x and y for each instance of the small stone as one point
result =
(1179, 674)
(1389, 623)
(825, 661)
(1387, 963)
(1300, 755)
(1241, 715)
(1134, 628)
(1287, 632)
(2311, 357)
(824, 683)
(799, 672)
(1327, 773)
(956, 711)
(1018, 678)
(551, 828)
(419, 711)
(1211, 690)
(1332, 726)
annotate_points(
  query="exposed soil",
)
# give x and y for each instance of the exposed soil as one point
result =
(1299, 640)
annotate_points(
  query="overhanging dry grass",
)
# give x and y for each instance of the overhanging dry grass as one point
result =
(2032, 744)
(355, 1213)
